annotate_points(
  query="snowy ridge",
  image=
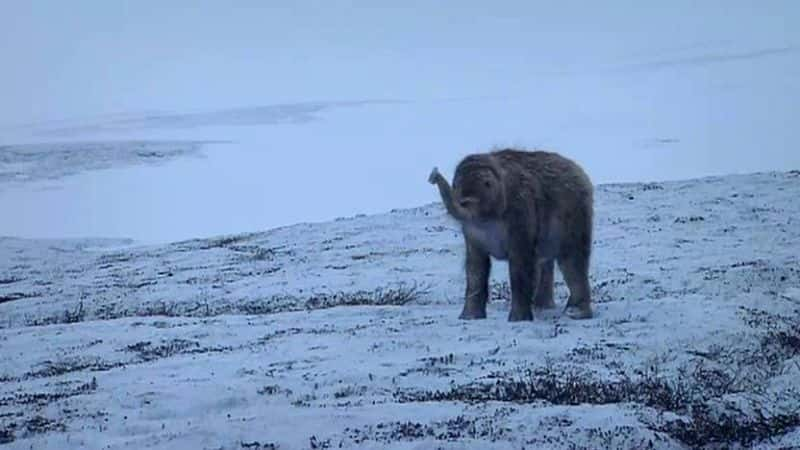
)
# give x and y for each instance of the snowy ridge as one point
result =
(345, 334)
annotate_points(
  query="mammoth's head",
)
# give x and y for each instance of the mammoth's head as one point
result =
(478, 188)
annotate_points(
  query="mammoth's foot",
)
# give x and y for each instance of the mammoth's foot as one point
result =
(472, 314)
(520, 314)
(579, 312)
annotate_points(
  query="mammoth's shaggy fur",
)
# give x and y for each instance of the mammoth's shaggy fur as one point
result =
(532, 208)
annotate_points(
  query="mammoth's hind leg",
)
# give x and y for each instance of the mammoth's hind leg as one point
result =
(478, 268)
(524, 277)
(544, 290)
(575, 268)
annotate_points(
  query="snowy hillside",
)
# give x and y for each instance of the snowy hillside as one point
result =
(345, 334)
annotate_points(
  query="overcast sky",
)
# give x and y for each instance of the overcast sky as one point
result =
(633, 90)
(66, 58)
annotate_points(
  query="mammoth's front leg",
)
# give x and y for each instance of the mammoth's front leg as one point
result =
(478, 268)
(524, 278)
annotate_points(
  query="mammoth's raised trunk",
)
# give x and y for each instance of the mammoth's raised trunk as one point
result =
(453, 206)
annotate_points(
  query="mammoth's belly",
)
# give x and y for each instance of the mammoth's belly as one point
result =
(493, 239)
(490, 236)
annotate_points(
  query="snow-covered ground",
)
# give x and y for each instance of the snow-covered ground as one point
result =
(345, 334)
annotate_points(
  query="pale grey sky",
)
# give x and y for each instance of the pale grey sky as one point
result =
(633, 90)
(62, 59)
